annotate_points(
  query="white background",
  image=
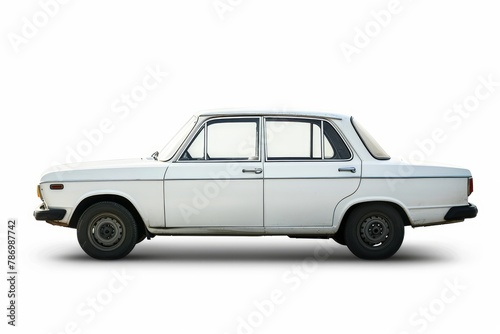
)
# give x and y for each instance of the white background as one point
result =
(64, 79)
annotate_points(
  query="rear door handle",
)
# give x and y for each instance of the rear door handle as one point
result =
(348, 169)
(254, 170)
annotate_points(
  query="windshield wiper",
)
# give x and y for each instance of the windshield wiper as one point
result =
(155, 155)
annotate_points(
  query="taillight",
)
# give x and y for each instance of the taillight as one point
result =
(470, 186)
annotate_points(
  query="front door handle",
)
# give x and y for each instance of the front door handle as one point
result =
(348, 169)
(254, 170)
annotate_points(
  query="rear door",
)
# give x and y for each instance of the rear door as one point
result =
(308, 169)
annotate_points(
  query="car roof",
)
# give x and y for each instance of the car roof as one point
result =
(276, 112)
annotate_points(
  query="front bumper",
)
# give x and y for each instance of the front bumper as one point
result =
(42, 213)
(461, 212)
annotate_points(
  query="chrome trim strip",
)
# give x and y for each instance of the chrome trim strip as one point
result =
(267, 178)
(429, 207)
(212, 179)
(312, 178)
(110, 180)
(413, 177)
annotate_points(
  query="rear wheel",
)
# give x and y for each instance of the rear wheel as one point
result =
(374, 231)
(107, 231)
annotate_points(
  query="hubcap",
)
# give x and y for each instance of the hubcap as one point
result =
(374, 231)
(106, 231)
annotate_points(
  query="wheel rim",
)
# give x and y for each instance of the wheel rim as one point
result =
(375, 231)
(106, 231)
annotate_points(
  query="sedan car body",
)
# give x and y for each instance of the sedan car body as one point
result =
(315, 175)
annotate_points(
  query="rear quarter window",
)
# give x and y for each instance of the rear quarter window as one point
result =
(370, 143)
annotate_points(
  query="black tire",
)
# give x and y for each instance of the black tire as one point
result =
(339, 237)
(140, 237)
(107, 231)
(141, 233)
(374, 231)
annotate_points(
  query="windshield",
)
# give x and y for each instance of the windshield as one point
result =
(370, 143)
(173, 145)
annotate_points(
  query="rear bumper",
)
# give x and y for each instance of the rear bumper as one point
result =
(461, 212)
(42, 213)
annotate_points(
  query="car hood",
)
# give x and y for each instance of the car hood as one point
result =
(125, 169)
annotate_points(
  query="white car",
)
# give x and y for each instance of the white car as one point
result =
(304, 175)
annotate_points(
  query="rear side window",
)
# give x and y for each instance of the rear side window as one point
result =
(303, 139)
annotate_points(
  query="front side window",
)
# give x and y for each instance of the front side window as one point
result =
(225, 139)
(303, 139)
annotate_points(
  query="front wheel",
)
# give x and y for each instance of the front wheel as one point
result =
(374, 231)
(107, 231)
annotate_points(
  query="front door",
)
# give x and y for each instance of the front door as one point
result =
(218, 179)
